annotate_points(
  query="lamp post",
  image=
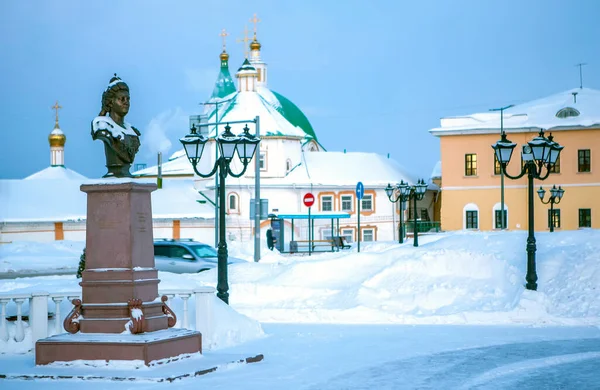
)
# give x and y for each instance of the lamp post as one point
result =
(228, 143)
(417, 192)
(539, 153)
(399, 193)
(556, 195)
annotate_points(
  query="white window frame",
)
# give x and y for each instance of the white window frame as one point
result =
(351, 203)
(348, 234)
(497, 207)
(371, 231)
(471, 207)
(262, 162)
(362, 204)
(323, 197)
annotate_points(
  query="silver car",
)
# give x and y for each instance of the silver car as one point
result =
(186, 256)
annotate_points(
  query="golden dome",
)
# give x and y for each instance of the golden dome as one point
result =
(224, 56)
(57, 138)
(255, 45)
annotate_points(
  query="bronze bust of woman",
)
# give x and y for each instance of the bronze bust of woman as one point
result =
(121, 140)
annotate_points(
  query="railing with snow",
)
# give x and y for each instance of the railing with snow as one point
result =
(42, 325)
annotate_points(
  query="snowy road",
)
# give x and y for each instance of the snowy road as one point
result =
(353, 357)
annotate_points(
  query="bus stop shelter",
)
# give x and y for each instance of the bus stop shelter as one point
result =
(311, 243)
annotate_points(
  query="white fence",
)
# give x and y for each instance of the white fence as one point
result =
(41, 314)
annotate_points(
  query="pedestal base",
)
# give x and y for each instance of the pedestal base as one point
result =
(147, 347)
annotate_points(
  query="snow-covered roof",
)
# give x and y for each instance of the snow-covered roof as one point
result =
(248, 105)
(540, 113)
(56, 172)
(28, 200)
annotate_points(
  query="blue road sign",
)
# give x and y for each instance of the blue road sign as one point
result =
(360, 190)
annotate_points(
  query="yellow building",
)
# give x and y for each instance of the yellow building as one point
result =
(471, 175)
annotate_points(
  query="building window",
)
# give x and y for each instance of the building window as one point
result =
(368, 235)
(348, 234)
(233, 203)
(497, 167)
(262, 162)
(556, 167)
(424, 215)
(288, 166)
(327, 203)
(567, 112)
(585, 218)
(470, 165)
(498, 219)
(367, 203)
(471, 219)
(584, 157)
(346, 203)
(554, 218)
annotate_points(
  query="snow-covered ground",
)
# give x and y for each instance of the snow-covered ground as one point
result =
(362, 320)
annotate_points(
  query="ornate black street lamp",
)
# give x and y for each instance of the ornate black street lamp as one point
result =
(245, 145)
(556, 195)
(417, 192)
(400, 193)
(539, 153)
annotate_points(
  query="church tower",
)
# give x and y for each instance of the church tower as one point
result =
(57, 140)
(255, 60)
(246, 77)
(224, 85)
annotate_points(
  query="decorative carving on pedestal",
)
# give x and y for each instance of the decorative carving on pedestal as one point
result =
(172, 318)
(136, 324)
(71, 322)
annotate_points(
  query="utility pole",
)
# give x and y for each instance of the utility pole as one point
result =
(580, 65)
(502, 211)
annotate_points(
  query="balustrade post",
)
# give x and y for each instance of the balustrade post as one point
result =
(57, 316)
(204, 312)
(185, 298)
(38, 315)
(3, 326)
(20, 332)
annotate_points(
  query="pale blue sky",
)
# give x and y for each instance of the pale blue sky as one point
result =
(372, 76)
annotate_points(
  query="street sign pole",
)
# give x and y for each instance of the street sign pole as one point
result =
(358, 242)
(309, 235)
(360, 191)
(309, 200)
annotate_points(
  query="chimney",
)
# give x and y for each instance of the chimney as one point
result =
(159, 178)
(574, 97)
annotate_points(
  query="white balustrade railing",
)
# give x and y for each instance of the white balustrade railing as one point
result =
(41, 325)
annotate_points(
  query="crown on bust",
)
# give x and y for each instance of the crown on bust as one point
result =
(114, 78)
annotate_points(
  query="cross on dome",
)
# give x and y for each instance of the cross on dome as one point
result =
(56, 107)
(245, 41)
(255, 21)
(224, 35)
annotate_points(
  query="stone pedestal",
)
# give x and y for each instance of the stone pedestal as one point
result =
(119, 287)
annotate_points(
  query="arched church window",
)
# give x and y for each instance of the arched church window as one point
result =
(567, 112)
(233, 203)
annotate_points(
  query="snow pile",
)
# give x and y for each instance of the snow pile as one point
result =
(36, 257)
(451, 278)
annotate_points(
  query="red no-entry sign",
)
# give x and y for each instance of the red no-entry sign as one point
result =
(309, 200)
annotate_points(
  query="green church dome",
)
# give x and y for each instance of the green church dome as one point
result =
(294, 115)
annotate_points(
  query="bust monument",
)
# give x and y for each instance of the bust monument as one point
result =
(121, 140)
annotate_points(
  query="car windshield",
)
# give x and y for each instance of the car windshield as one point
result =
(203, 250)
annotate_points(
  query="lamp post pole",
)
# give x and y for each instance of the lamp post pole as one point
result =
(229, 144)
(502, 211)
(217, 186)
(540, 152)
(399, 193)
(417, 192)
